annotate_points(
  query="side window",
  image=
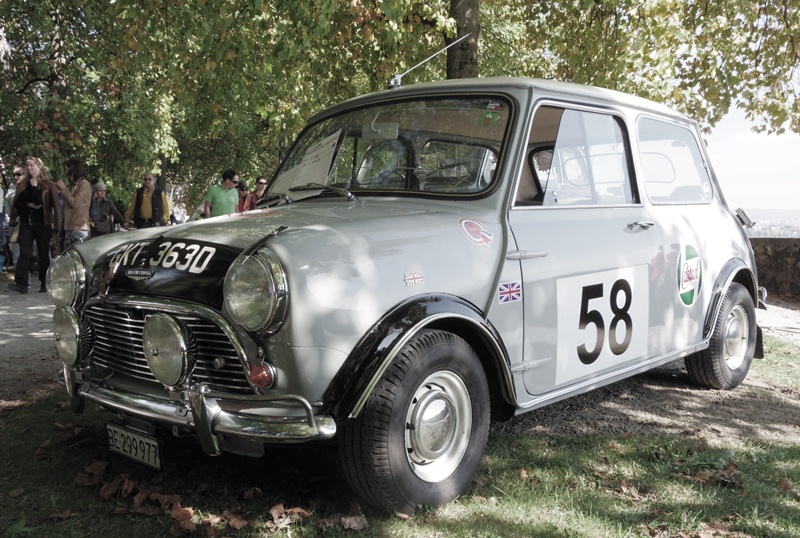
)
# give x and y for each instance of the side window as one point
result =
(575, 158)
(673, 169)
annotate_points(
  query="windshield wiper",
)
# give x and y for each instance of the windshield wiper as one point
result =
(341, 191)
(271, 198)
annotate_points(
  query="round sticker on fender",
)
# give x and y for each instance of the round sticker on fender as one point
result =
(602, 321)
(690, 275)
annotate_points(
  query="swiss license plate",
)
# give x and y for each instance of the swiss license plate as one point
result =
(134, 445)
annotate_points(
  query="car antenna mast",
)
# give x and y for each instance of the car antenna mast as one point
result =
(397, 80)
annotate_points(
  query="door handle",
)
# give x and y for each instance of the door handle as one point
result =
(525, 255)
(643, 224)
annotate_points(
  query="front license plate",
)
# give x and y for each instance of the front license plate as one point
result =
(134, 445)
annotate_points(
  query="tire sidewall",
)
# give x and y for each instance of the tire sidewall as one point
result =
(456, 357)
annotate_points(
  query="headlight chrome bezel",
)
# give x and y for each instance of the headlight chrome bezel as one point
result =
(256, 292)
(68, 267)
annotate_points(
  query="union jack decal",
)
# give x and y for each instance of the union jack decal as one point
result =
(414, 278)
(509, 292)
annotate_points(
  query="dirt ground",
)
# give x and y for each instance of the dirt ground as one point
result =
(660, 401)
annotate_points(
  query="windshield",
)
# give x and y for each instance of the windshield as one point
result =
(445, 146)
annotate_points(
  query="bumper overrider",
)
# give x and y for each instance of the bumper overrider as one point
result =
(198, 409)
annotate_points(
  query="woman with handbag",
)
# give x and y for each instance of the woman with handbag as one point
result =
(38, 213)
(104, 213)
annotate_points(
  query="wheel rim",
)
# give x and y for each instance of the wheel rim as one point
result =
(737, 335)
(438, 426)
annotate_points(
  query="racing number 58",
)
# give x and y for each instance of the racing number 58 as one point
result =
(594, 317)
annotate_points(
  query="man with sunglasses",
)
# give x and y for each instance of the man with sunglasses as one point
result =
(223, 198)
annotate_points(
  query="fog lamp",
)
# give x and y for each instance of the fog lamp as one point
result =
(166, 348)
(67, 331)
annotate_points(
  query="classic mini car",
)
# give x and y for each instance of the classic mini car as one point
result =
(426, 259)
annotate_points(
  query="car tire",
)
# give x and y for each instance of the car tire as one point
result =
(726, 361)
(422, 432)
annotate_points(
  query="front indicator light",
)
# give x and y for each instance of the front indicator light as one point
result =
(262, 376)
(166, 349)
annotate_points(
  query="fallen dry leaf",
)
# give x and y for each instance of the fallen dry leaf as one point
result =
(785, 485)
(182, 514)
(355, 523)
(16, 492)
(235, 521)
(62, 516)
(524, 473)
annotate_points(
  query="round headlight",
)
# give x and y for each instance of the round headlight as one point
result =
(255, 291)
(166, 348)
(65, 279)
(67, 332)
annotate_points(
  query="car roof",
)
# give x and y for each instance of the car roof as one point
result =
(546, 88)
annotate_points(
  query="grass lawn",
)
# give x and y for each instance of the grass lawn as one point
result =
(58, 479)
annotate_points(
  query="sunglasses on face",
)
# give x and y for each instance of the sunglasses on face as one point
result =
(262, 182)
(17, 174)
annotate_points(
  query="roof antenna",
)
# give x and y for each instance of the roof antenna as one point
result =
(397, 80)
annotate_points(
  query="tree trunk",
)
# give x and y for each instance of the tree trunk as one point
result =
(462, 59)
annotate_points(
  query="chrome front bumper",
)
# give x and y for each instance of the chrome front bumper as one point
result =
(202, 413)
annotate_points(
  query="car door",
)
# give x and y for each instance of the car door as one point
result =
(587, 251)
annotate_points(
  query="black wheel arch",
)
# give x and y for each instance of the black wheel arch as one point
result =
(375, 351)
(735, 270)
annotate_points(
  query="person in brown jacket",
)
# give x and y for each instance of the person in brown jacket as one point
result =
(77, 201)
(38, 210)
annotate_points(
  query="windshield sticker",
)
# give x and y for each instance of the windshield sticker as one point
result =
(509, 292)
(413, 278)
(690, 275)
(316, 163)
(476, 232)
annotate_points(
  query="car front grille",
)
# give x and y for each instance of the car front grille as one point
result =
(117, 335)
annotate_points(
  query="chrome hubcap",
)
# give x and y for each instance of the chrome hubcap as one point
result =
(736, 337)
(438, 426)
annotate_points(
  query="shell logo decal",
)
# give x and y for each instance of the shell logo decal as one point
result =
(690, 275)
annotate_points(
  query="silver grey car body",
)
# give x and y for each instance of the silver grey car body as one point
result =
(462, 250)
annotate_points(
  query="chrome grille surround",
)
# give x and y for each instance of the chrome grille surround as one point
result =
(117, 327)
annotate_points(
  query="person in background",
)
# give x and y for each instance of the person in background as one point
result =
(255, 196)
(179, 215)
(104, 213)
(77, 202)
(149, 206)
(37, 207)
(20, 174)
(222, 198)
(244, 202)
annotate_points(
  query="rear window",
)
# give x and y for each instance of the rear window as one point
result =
(673, 169)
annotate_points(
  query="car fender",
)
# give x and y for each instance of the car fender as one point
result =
(735, 270)
(374, 353)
